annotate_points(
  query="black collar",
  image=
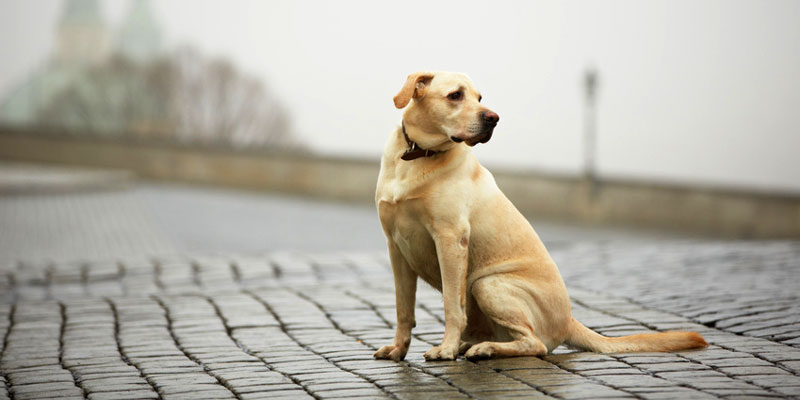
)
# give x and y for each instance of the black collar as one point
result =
(414, 152)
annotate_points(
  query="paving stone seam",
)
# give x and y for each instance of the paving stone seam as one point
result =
(713, 324)
(734, 377)
(369, 305)
(122, 354)
(744, 333)
(433, 314)
(277, 317)
(716, 369)
(246, 350)
(632, 366)
(409, 364)
(552, 394)
(12, 310)
(353, 267)
(755, 307)
(62, 329)
(164, 307)
(347, 263)
(532, 386)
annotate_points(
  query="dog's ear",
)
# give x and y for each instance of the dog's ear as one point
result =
(415, 87)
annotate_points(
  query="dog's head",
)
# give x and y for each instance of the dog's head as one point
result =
(446, 108)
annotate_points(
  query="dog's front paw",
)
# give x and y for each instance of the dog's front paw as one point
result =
(480, 351)
(391, 352)
(438, 353)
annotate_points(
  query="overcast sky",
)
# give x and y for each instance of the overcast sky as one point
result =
(700, 92)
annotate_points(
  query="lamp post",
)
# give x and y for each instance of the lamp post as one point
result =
(590, 83)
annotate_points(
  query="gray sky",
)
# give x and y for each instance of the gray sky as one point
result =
(701, 92)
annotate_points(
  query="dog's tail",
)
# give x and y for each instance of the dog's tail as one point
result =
(586, 339)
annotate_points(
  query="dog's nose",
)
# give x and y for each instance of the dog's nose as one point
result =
(491, 117)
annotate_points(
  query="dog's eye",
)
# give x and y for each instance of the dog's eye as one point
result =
(480, 98)
(455, 96)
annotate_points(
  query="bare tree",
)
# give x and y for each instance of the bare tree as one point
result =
(217, 102)
(185, 97)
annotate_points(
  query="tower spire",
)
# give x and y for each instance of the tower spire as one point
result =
(82, 34)
(140, 37)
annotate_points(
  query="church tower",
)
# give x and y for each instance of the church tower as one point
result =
(140, 36)
(82, 36)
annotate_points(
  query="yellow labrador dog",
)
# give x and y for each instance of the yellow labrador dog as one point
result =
(447, 222)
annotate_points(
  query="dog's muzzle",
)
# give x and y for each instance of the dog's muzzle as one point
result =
(489, 120)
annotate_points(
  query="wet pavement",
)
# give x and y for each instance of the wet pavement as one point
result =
(159, 291)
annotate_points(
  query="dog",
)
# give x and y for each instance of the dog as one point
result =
(447, 222)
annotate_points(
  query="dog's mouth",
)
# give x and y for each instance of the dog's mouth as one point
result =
(479, 138)
(484, 127)
(484, 132)
(482, 137)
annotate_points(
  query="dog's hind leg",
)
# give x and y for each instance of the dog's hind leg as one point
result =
(479, 326)
(504, 304)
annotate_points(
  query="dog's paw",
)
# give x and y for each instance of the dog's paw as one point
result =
(439, 353)
(480, 351)
(391, 352)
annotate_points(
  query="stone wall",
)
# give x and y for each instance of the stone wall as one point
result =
(701, 210)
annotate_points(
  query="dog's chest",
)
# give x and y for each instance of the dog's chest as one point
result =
(412, 239)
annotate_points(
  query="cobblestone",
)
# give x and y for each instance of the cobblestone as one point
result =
(127, 318)
(748, 288)
(261, 334)
(75, 227)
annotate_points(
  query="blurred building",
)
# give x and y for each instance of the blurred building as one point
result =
(139, 39)
(83, 38)
(103, 81)
(84, 43)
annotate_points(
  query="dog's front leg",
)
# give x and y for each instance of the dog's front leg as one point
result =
(452, 252)
(405, 291)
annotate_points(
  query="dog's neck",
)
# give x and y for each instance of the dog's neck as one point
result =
(414, 151)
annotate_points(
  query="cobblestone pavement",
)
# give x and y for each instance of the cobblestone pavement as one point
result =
(748, 288)
(95, 304)
(297, 325)
(70, 226)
